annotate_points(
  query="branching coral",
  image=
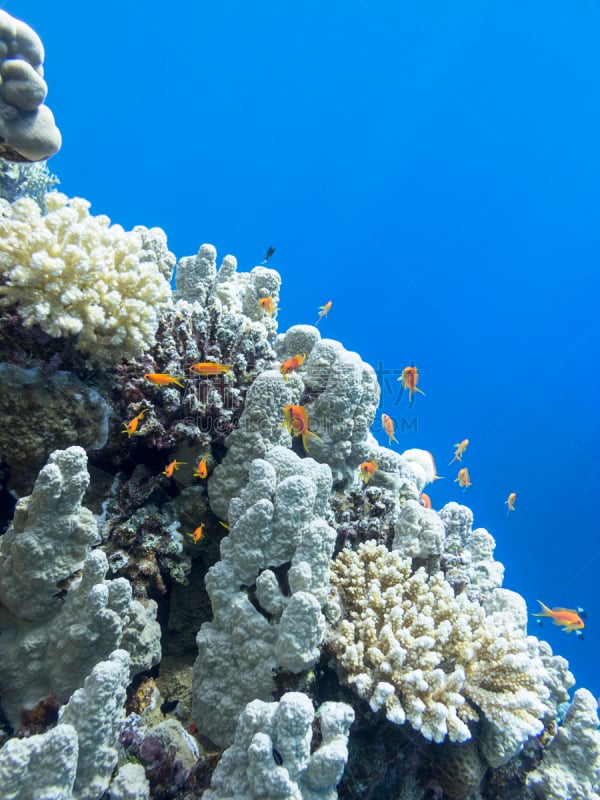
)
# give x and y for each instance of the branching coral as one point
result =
(73, 274)
(409, 646)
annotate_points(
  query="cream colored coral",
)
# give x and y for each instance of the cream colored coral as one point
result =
(409, 646)
(77, 275)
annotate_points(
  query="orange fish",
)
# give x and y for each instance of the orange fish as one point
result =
(410, 378)
(463, 478)
(367, 470)
(292, 364)
(164, 379)
(131, 427)
(510, 502)
(388, 427)
(171, 467)
(324, 310)
(267, 304)
(425, 500)
(567, 617)
(460, 449)
(210, 368)
(198, 534)
(201, 470)
(296, 421)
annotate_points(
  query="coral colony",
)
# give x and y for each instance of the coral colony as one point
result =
(214, 582)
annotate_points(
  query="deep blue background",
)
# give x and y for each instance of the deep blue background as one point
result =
(433, 168)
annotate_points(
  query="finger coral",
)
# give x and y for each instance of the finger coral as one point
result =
(409, 646)
(76, 275)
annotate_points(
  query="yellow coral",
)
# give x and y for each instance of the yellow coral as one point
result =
(409, 646)
(77, 275)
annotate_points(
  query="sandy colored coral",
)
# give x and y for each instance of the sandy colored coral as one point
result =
(74, 274)
(409, 646)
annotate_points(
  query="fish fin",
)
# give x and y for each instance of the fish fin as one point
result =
(545, 612)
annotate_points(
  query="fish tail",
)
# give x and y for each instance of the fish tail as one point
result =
(546, 612)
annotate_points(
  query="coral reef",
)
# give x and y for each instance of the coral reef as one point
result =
(301, 585)
(27, 129)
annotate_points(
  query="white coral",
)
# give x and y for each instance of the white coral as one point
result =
(74, 274)
(409, 646)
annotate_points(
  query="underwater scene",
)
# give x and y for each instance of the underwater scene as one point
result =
(299, 400)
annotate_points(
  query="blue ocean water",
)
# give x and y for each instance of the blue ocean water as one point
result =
(433, 169)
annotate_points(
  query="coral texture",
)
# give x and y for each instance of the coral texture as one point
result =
(272, 757)
(75, 275)
(27, 129)
(571, 764)
(60, 616)
(409, 646)
(277, 539)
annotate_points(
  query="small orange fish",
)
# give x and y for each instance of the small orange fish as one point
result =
(510, 502)
(295, 420)
(367, 470)
(567, 617)
(460, 449)
(171, 467)
(410, 378)
(198, 534)
(425, 500)
(268, 304)
(164, 379)
(210, 368)
(292, 364)
(201, 470)
(131, 427)
(324, 310)
(388, 427)
(463, 478)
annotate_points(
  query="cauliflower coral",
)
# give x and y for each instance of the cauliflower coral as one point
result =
(74, 274)
(409, 646)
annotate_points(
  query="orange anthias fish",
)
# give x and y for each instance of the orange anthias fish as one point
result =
(268, 304)
(171, 467)
(567, 617)
(367, 470)
(295, 420)
(425, 500)
(460, 449)
(131, 427)
(211, 368)
(510, 502)
(388, 427)
(463, 478)
(292, 364)
(198, 534)
(201, 470)
(164, 379)
(410, 378)
(324, 310)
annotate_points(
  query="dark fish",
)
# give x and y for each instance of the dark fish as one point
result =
(277, 757)
(168, 706)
